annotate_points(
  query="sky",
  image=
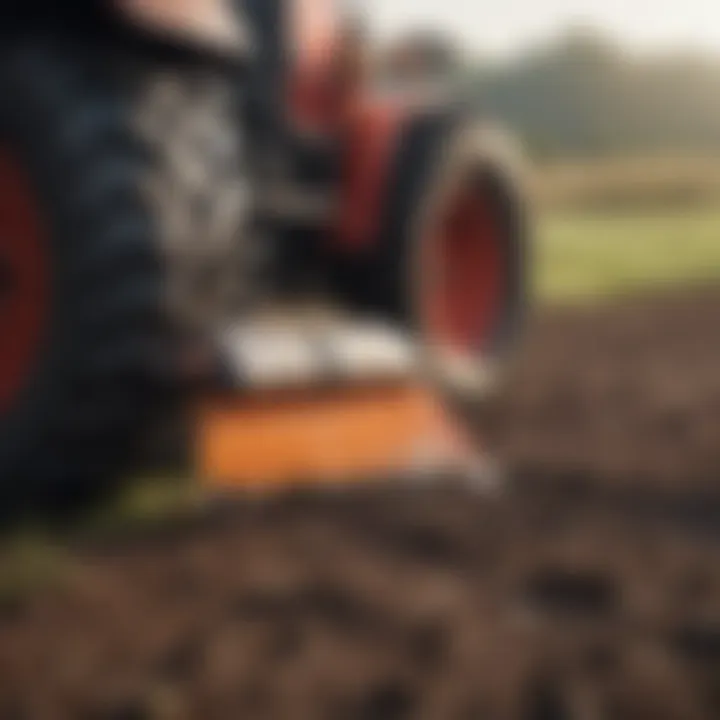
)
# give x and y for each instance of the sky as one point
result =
(506, 26)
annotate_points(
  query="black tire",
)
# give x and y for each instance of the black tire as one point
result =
(71, 431)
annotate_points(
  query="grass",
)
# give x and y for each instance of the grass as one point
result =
(145, 502)
(39, 557)
(31, 561)
(584, 256)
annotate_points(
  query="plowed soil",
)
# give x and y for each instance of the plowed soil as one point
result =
(587, 589)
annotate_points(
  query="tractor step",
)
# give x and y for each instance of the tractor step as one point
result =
(324, 402)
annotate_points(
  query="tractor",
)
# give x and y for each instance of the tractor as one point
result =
(171, 170)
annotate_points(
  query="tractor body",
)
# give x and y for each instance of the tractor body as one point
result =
(173, 170)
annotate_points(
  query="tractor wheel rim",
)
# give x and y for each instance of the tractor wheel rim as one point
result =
(462, 276)
(23, 280)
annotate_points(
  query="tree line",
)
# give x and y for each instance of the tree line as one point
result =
(584, 95)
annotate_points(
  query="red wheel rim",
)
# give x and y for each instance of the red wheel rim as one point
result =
(23, 280)
(463, 277)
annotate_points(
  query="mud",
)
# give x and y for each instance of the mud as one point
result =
(588, 590)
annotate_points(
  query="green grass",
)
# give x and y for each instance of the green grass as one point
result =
(38, 557)
(31, 561)
(584, 256)
(143, 503)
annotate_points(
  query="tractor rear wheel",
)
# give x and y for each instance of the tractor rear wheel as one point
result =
(80, 282)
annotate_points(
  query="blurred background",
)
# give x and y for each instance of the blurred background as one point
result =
(587, 585)
(617, 106)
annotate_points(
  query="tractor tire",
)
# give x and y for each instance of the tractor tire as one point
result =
(437, 152)
(197, 184)
(198, 188)
(80, 311)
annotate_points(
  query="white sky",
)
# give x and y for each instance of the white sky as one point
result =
(505, 25)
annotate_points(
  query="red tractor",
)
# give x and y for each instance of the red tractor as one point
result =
(168, 167)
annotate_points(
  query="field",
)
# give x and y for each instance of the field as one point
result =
(586, 588)
(617, 227)
(589, 255)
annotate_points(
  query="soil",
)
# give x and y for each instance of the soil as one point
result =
(619, 396)
(587, 589)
